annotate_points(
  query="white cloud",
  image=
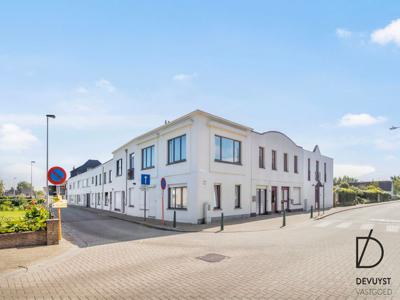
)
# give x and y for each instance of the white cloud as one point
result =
(21, 172)
(352, 170)
(13, 137)
(388, 34)
(184, 77)
(343, 33)
(105, 84)
(363, 119)
(81, 90)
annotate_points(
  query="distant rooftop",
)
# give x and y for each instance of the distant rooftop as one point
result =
(90, 164)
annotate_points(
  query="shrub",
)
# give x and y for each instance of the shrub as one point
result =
(34, 219)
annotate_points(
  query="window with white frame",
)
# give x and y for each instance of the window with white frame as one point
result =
(119, 167)
(148, 157)
(177, 197)
(177, 149)
(217, 196)
(237, 196)
(227, 150)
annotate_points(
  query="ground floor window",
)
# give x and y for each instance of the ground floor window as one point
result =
(98, 198)
(177, 197)
(217, 196)
(237, 196)
(106, 199)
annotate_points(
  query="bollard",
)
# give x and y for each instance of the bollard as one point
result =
(222, 221)
(311, 216)
(174, 223)
(283, 214)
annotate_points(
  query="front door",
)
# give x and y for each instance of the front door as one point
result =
(285, 197)
(316, 205)
(274, 199)
(87, 200)
(261, 201)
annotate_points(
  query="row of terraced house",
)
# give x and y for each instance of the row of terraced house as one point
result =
(211, 165)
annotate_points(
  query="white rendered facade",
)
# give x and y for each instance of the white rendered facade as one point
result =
(211, 165)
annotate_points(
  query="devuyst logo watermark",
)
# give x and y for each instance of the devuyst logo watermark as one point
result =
(370, 284)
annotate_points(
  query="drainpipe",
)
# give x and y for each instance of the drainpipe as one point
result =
(102, 187)
(126, 180)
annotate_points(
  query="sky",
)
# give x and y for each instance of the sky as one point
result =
(323, 72)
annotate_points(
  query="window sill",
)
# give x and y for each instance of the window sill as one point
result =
(238, 207)
(176, 162)
(228, 162)
(149, 168)
(217, 208)
(184, 209)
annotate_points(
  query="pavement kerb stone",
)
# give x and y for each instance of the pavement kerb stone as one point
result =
(354, 207)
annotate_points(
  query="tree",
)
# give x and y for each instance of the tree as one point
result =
(396, 184)
(23, 187)
(1, 188)
(345, 178)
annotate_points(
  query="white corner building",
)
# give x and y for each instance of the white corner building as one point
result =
(211, 165)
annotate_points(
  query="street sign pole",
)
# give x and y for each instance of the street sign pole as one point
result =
(162, 207)
(145, 203)
(59, 223)
(163, 185)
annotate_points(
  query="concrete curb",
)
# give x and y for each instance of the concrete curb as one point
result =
(355, 207)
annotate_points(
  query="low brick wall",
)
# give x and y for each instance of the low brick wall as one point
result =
(31, 238)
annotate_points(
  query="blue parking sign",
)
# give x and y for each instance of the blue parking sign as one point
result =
(145, 179)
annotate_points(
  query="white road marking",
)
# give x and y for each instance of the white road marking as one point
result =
(324, 224)
(392, 228)
(344, 225)
(367, 226)
(385, 220)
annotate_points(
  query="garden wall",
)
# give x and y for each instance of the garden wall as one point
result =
(31, 238)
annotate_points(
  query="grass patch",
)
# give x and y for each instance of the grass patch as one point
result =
(14, 215)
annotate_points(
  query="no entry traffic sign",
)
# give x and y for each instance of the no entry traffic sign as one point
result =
(56, 175)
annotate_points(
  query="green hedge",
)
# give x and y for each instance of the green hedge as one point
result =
(347, 196)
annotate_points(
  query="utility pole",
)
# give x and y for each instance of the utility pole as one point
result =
(47, 157)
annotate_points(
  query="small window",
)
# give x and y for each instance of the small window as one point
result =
(104, 177)
(119, 167)
(109, 176)
(177, 197)
(296, 170)
(227, 150)
(106, 199)
(317, 175)
(273, 162)
(99, 179)
(324, 172)
(177, 149)
(217, 196)
(237, 196)
(285, 162)
(92, 180)
(131, 171)
(261, 160)
(309, 169)
(148, 157)
(95, 180)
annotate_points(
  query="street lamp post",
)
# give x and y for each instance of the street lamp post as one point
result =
(32, 162)
(47, 156)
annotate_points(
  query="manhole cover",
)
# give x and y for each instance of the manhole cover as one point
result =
(212, 257)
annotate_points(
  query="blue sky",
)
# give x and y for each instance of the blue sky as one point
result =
(323, 72)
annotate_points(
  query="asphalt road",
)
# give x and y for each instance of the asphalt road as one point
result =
(87, 228)
(308, 260)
